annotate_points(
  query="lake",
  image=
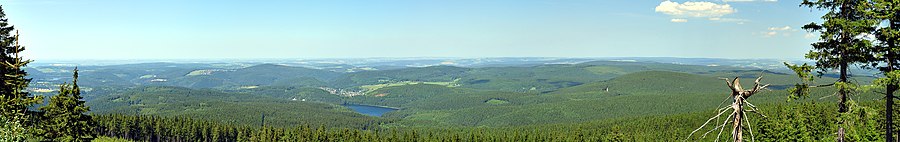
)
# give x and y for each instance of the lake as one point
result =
(370, 110)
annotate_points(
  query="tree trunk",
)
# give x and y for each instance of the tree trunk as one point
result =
(890, 88)
(889, 95)
(842, 103)
(842, 92)
(889, 110)
(738, 107)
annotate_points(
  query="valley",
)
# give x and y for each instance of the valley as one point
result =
(603, 99)
(519, 94)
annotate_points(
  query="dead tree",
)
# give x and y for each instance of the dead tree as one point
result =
(738, 117)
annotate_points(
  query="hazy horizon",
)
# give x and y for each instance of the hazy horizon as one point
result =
(396, 58)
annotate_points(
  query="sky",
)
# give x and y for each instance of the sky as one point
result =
(239, 29)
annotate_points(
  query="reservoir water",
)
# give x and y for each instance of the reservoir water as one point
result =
(370, 110)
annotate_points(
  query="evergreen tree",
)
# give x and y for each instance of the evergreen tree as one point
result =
(14, 100)
(840, 46)
(888, 53)
(65, 118)
(10, 131)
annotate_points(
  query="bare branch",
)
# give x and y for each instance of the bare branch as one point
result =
(738, 117)
(825, 85)
(757, 86)
(714, 129)
(757, 112)
(723, 110)
(727, 82)
(723, 102)
(749, 128)
(834, 94)
(749, 104)
(723, 129)
(758, 79)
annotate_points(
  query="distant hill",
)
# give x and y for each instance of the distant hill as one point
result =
(227, 107)
(508, 95)
(258, 75)
(637, 94)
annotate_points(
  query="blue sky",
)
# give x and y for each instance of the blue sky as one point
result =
(196, 29)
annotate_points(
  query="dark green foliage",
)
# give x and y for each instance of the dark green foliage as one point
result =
(886, 53)
(818, 122)
(808, 121)
(400, 96)
(266, 74)
(644, 91)
(293, 92)
(840, 45)
(637, 101)
(148, 128)
(801, 90)
(14, 100)
(64, 117)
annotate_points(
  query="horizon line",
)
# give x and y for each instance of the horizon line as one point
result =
(412, 57)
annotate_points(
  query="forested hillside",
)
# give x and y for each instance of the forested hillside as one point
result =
(604, 100)
(842, 91)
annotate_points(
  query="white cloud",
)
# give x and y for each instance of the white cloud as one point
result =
(770, 34)
(694, 9)
(784, 31)
(809, 36)
(681, 12)
(749, 0)
(738, 21)
(780, 28)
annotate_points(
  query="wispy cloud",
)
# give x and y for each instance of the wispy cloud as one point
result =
(676, 20)
(780, 28)
(735, 20)
(809, 36)
(785, 31)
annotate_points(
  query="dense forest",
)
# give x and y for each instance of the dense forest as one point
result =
(807, 121)
(832, 99)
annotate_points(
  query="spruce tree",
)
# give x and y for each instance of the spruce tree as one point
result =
(842, 44)
(11, 131)
(14, 100)
(888, 55)
(65, 115)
